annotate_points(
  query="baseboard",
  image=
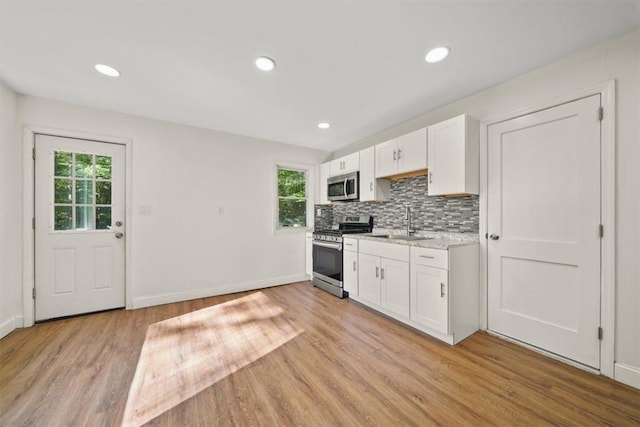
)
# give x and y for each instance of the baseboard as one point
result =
(10, 325)
(627, 374)
(218, 290)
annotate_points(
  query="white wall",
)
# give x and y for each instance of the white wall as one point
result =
(185, 249)
(10, 215)
(617, 59)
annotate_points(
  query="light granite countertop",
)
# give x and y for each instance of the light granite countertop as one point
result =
(434, 240)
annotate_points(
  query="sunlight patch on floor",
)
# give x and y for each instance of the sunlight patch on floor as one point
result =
(184, 355)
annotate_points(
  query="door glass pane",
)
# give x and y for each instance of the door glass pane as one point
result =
(62, 218)
(103, 217)
(84, 165)
(84, 192)
(84, 217)
(62, 163)
(103, 192)
(103, 167)
(62, 190)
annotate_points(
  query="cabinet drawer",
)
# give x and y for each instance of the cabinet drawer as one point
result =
(350, 245)
(431, 257)
(384, 250)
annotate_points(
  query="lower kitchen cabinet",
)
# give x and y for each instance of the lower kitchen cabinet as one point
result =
(350, 266)
(369, 278)
(383, 279)
(433, 290)
(430, 297)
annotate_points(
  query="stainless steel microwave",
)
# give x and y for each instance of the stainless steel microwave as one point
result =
(343, 187)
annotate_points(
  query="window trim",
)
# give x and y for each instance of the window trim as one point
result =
(309, 171)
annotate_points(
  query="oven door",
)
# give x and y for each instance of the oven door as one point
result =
(327, 262)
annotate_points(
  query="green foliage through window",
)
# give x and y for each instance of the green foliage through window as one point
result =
(292, 198)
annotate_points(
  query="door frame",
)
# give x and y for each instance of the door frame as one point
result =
(28, 210)
(607, 91)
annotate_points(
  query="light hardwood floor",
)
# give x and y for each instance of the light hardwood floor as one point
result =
(290, 355)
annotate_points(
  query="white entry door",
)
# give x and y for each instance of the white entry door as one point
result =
(543, 222)
(79, 226)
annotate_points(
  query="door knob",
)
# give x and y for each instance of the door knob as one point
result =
(119, 235)
(494, 237)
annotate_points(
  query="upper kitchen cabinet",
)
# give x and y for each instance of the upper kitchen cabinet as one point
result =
(454, 160)
(346, 164)
(371, 188)
(405, 154)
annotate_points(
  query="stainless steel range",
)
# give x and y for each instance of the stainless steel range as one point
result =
(327, 253)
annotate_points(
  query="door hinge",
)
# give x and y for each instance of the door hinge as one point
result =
(600, 114)
(34, 293)
(601, 231)
(33, 153)
(599, 332)
(33, 223)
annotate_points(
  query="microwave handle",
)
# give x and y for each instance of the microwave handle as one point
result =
(344, 187)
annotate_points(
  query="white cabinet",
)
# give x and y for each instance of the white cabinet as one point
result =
(309, 254)
(371, 188)
(383, 279)
(324, 175)
(350, 266)
(394, 281)
(407, 153)
(369, 278)
(453, 159)
(346, 164)
(445, 291)
(429, 297)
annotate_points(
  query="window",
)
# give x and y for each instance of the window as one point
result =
(292, 198)
(82, 191)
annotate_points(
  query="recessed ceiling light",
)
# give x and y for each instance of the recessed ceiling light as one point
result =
(107, 70)
(437, 54)
(265, 64)
(324, 125)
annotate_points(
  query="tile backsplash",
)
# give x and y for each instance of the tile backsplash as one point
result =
(459, 215)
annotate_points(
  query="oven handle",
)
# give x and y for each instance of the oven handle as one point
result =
(337, 246)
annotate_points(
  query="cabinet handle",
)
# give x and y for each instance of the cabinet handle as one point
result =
(354, 266)
(426, 256)
(382, 273)
(377, 272)
(430, 178)
(394, 155)
(371, 186)
(441, 290)
(399, 152)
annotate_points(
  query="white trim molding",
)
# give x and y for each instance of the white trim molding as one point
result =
(627, 374)
(607, 90)
(252, 285)
(28, 206)
(10, 325)
(310, 174)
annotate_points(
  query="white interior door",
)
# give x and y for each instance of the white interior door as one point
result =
(79, 232)
(543, 218)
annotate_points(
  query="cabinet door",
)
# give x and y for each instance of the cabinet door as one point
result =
(336, 167)
(350, 272)
(412, 151)
(387, 158)
(370, 188)
(446, 157)
(309, 254)
(394, 281)
(325, 169)
(351, 163)
(369, 278)
(430, 297)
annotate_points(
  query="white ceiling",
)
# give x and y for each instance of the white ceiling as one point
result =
(356, 64)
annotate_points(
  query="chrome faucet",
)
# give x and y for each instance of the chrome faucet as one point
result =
(410, 231)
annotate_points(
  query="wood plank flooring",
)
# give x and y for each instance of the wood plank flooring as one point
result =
(342, 365)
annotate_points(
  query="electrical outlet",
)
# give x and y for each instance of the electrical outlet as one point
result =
(318, 212)
(144, 210)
